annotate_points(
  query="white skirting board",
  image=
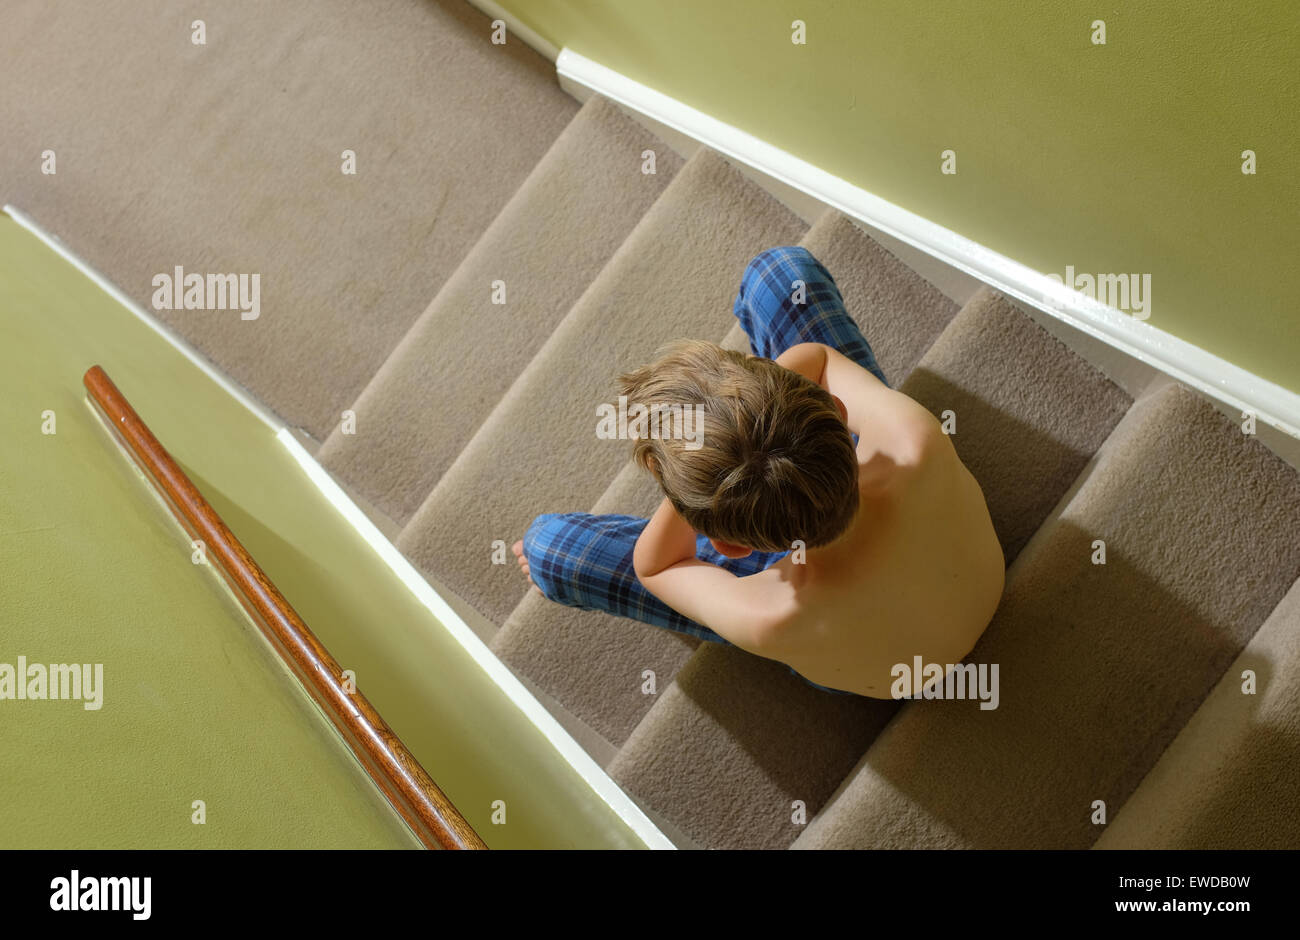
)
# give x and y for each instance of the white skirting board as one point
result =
(494, 11)
(1215, 377)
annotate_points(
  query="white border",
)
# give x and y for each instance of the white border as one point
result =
(590, 772)
(1190, 364)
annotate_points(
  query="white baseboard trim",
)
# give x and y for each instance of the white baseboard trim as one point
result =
(1216, 377)
(514, 27)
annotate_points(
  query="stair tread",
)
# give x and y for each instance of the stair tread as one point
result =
(675, 275)
(552, 239)
(732, 744)
(1028, 414)
(1100, 665)
(1223, 780)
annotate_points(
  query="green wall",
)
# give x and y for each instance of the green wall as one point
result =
(1117, 158)
(195, 705)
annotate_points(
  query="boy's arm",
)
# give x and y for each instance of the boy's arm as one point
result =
(808, 359)
(737, 609)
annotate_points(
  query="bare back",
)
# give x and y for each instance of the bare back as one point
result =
(919, 573)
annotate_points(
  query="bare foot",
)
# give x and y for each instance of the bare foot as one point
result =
(518, 549)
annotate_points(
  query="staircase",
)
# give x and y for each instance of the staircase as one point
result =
(482, 417)
(1120, 682)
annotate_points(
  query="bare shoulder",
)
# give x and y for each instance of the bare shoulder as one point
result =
(913, 414)
(807, 359)
(915, 434)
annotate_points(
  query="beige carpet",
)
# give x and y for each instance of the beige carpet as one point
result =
(606, 670)
(1029, 413)
(422, 407)
(226, 158)
(1231, 779)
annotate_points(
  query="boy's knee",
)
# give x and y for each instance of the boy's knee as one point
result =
(539, 535)
(546, 567)
(774, 277)
(783, 257)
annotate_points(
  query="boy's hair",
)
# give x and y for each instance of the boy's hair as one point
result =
(775, 462)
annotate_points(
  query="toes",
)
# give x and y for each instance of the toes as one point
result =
(518, 549)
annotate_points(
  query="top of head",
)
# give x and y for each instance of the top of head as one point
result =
(773, 461)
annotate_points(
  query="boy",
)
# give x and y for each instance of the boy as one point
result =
(823, 519)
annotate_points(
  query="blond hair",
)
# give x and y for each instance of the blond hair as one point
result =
(775, 463)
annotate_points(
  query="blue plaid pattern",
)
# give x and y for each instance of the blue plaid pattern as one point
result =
(773, 321)
(585, 560)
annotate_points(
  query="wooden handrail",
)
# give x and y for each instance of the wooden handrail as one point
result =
(411, 791)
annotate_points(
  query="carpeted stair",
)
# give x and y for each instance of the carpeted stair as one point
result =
(547, 245)
(1120, 682)
(1229, 779)
(1025, 431)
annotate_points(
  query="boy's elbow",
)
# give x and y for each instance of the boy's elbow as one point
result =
(642, 564)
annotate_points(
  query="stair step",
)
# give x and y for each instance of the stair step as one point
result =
(1100, 665)
(230, 161)
(1229, 779)
(594, 663)
(1030, 414)
(735, 741)
(551, 240)
(675, 275)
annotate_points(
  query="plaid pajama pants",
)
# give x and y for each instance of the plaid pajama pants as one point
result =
(585, 561)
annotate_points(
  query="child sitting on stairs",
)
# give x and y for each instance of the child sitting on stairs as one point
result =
(823, 519)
